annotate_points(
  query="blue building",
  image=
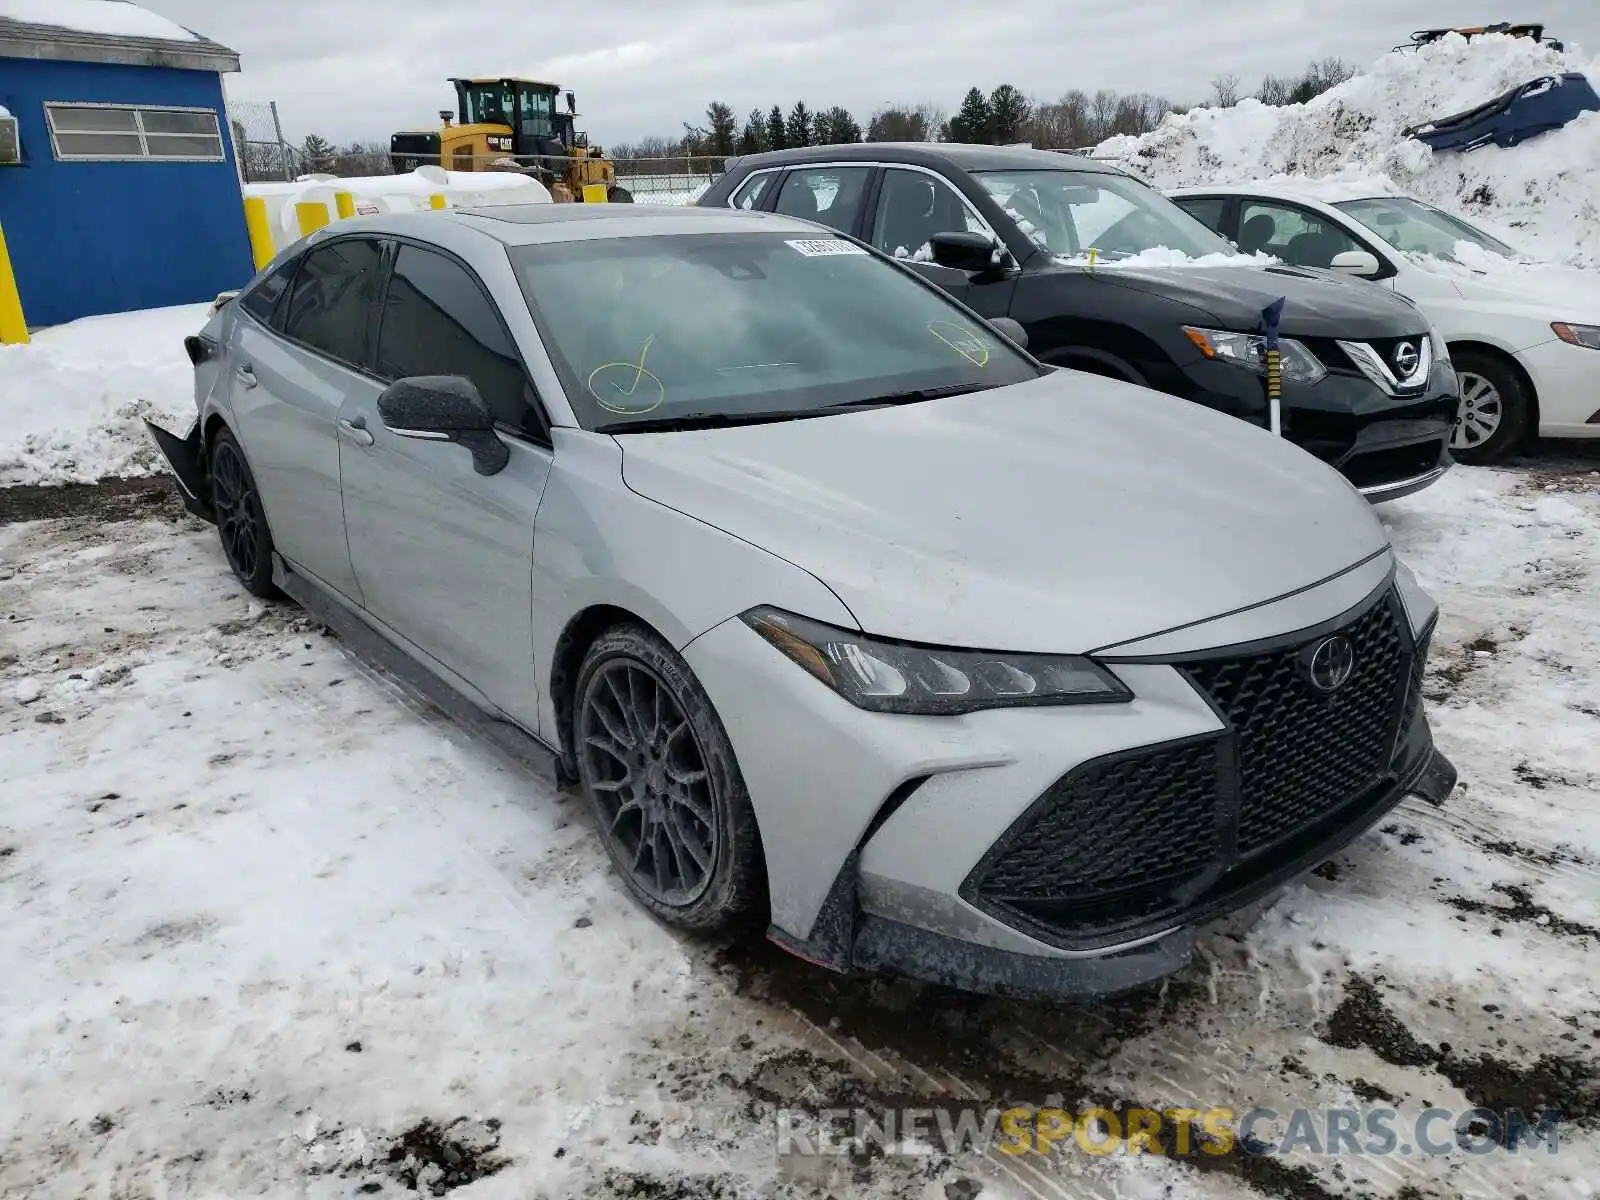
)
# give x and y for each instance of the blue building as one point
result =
(126, 192)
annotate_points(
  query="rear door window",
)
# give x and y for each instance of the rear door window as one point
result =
(331, 308)
(829, 195)
(437, 320)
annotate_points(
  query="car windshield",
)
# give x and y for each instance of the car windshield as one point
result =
(1416, 228)
(707, 328)
(1070, 213)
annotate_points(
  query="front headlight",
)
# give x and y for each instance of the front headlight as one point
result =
(1587, 336)
(1249, 350)
(894, 677)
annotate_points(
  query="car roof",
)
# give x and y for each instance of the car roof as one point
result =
(959, 155)
(529, 224)
(1317, 191)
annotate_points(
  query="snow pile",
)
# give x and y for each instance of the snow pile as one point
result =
(117, 18)
(1545, 193)
(1164, 256)
(75, 397)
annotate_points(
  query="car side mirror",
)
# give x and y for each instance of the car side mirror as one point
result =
(1012, 330)
(1356, 262)
(444, 408)
(966, 251)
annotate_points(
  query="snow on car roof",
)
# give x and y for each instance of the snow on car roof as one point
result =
(110, 18)
(1333, 190)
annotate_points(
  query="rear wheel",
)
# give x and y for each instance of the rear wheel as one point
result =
(663, 784)
(1495, 410)
(241, 521)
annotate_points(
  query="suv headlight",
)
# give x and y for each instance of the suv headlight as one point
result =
(1587, 336)
(1249, 350)
(896, 677)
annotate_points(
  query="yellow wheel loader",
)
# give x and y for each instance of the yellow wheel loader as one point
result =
(511, 124)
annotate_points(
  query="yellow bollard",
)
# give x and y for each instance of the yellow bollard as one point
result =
(312, 216)
(13, 329)
(436, 200)
(594, 193)
(260, 230)
(345, 203)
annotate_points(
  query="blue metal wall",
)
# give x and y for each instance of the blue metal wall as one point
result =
(90, 238)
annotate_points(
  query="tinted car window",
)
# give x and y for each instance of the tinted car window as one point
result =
(912, 207)
(261, 300)
(437, 321)
(330, 308)
(749, 192)
(1296, 235)
(1205, 209)
(1070, 213)
(831, 195)
(701, 326)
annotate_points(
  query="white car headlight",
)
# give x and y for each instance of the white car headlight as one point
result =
(1249, 350)
(1587, 336)
(896, 677)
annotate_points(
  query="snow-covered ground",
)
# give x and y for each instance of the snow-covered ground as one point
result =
(274, 928)
(74, 396)
(1545, 193)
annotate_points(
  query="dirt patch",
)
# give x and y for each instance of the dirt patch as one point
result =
(109, 500)
(632, 1185)
(436, 1159)
(1523, 910)
(1529, 854)
(1372, 1093)
(1362, 1020)
(1449, 672)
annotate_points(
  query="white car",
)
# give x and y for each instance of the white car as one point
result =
(1524, 336)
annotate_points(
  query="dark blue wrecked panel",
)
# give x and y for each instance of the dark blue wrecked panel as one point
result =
(1526, 111)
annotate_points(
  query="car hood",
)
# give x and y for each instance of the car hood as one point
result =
(1316, 303)
(1569, 293)
(1063, 514)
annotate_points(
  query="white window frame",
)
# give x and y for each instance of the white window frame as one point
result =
(144, 154)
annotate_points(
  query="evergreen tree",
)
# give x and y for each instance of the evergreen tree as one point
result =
(798, 131)
(777, 135)
(836, 127)
(971, 122)
(753, 140)
(723, 128)
(318, 155)
(1009, 114)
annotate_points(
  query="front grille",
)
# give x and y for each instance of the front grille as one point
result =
(1413, 711)
(1302, 752)
(1118, 825)
(1143, 836)
(1392, 464)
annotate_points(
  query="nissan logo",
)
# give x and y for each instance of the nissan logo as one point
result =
(1406, 358)
(1331, 662)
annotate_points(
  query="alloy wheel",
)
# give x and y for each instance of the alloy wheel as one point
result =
(233, 500)
(648, 776)
(1479, 414)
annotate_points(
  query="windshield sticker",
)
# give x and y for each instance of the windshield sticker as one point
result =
(820, 247)
(964, 342)
(622, 387)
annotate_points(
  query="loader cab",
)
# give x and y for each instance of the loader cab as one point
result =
(525, 106)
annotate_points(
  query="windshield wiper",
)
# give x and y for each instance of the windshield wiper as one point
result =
(910, 396)
(706, 420)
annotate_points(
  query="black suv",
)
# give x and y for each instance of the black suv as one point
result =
(1100, 270)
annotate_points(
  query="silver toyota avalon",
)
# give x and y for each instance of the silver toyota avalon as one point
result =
(846, 615)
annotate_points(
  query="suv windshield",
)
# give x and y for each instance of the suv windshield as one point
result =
(1416, 228)
(1068, 213)
(708, 328)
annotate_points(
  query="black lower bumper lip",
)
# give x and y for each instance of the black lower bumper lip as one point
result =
(894, 948)
(183, 456)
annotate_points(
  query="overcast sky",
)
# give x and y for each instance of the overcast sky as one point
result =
(362, 69)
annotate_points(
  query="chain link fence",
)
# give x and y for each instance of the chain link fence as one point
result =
(258, 140)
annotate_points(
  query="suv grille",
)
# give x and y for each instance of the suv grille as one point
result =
(1146, 835)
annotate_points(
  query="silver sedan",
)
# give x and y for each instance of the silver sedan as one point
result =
(848, 617)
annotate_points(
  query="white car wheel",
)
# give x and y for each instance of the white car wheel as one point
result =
(1478, 418)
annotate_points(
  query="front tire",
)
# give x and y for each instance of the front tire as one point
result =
(662, 781)
(619, 195)
(1495, 410)
(241, 521)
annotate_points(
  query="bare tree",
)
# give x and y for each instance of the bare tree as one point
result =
(1225, 90)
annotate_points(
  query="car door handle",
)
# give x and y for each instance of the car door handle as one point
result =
(245, 375)
(356, 431)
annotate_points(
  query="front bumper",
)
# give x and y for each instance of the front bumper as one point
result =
(883, 833)
(1566, 380)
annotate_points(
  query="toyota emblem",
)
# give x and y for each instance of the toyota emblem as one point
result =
(1331, 663)
(1407, 358)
